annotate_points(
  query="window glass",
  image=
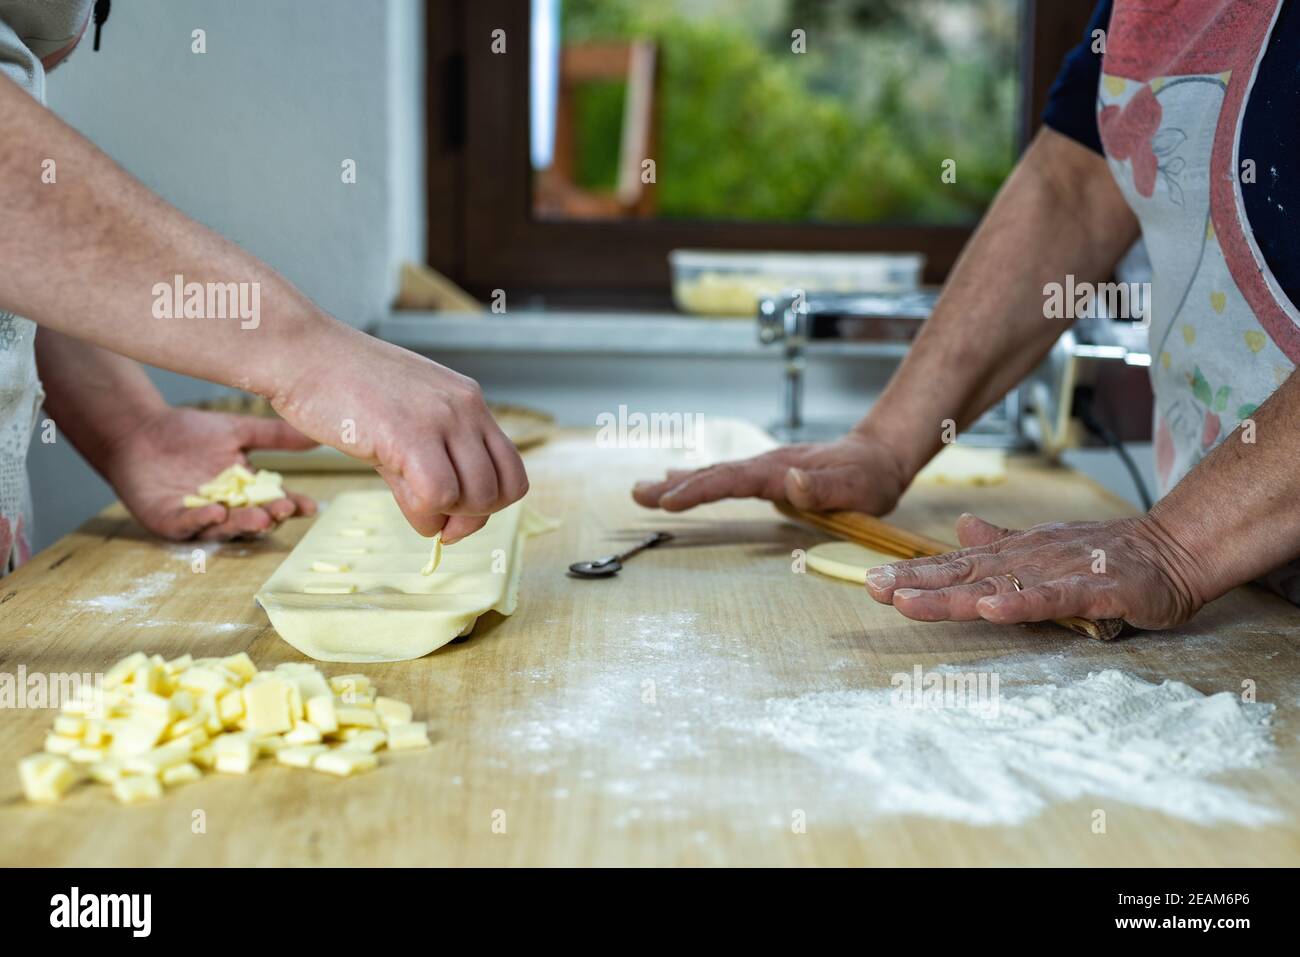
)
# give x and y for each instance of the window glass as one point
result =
(783, 111)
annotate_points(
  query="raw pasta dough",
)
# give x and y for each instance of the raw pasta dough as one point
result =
(846, 560)
(379, 607)
(963, 465)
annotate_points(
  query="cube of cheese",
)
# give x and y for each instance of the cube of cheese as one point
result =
(84, 755)
(159, 759)
(309, 682)
(195, 738)
(344, 763)
(296, 667)
(355, 716)
(185, 773)
(301, 756)
(304, 732)
(58, 744)
(230, 707)
(391, 711)
(266, 705)
(321, 713)
(210, 708)
(407, 737)
(70, 725)
(241, 665)
(184, 703)
(345, 685)
(235, 753)
(90, 701)
(270, 744)
(146, 702)
(152, 677)
(204, 679)
(137, 734)
(106, 771)
(177, 665)
(136, 788)
(366, 739)
(266, 488)
(94, 735)
(125, 669)
(183, 726)
(204, 756)
(330, 567)
(46, 777)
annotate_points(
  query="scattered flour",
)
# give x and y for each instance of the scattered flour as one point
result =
(139, 595)
(221, 627)
(185, 553)
(648, 727)
(1111, 736)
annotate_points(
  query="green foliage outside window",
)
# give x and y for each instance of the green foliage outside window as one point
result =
(856, 129)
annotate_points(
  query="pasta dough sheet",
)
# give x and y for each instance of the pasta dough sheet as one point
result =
(964, 465)
(352, 588)
(846, 560)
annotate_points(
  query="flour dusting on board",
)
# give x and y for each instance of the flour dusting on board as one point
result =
(1110, 736)
(648, 724)
(139, 595)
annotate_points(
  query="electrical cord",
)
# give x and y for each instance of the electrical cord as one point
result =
(1083, 403)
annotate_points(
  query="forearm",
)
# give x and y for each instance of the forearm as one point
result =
(82, 255)
(78, 377)
(1059, 213)
(1234, 517)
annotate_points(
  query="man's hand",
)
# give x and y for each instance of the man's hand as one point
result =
(171, 453)
(1130, 569)
(425, 429)
(857, 472)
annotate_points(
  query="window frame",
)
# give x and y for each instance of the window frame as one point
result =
(481, 228)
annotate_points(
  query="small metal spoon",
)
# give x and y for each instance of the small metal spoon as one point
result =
(612, 564)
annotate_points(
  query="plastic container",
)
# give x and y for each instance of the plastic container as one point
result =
(726, 283)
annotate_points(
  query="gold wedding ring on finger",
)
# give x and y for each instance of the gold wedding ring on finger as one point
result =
(1015, 582)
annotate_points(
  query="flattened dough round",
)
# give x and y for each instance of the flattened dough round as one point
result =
(846, 560)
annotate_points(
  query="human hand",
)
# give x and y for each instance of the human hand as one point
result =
(857, 472)
(1129, 568)
(425, 428)
(171, 453)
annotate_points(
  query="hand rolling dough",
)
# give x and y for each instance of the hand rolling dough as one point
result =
(846, 560)
(382, 608)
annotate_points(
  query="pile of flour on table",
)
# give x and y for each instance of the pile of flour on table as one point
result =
(1110, 736)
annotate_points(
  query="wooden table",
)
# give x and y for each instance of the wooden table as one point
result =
(605, 722)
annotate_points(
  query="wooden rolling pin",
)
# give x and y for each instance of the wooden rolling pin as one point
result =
(883, 537)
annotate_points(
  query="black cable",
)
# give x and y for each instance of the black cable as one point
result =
(102, 8)
(1097, 428)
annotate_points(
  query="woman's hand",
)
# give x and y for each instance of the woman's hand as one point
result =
(1129, 568)
(857, 472)
(171, 453)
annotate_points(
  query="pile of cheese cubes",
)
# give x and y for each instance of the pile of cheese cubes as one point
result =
(237, 487)
(157, 723)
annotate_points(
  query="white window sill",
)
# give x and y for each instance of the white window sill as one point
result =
(613, 334)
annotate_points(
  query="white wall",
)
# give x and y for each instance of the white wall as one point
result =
(248, 138)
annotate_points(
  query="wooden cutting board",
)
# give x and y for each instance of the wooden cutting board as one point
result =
(608, 722)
